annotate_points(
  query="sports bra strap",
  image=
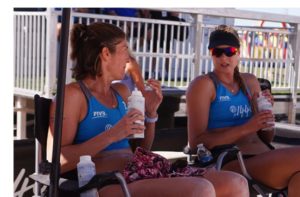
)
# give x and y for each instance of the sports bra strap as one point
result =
(214, 78)
(85, 90)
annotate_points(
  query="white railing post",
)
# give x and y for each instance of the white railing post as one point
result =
(69, 61)
(21, 117)
(198, 40)
(51, 53)
(296, 52)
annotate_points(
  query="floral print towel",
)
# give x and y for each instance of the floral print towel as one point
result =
(148, 165)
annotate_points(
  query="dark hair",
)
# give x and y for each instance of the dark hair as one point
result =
(87, 41)
(237, 77)
(224, 35)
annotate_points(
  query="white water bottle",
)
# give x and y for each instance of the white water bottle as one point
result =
(86, 170)
(137, 101)
(264, 104)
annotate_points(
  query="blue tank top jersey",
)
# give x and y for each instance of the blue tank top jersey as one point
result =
(228, 109)
(100, 118)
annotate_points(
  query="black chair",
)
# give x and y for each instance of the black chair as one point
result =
(41, 176)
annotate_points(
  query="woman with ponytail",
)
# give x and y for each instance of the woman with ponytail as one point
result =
(221, 110)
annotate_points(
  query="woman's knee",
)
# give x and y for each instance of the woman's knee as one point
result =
(240, 184)
(228, 183)
(200, 187)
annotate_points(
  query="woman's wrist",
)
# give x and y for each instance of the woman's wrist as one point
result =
(151, 117)
(151, 114)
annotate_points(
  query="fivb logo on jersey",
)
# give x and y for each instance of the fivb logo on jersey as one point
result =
(99, 114)
(224, 98)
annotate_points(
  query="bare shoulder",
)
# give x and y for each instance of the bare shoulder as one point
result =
(202, 82)
(73, 92)
(122, 90)
(201, 86)
(73, 97)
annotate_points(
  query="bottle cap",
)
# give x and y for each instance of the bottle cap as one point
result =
(200, 145)
(148, 88)
(85, 158)
(136, 92)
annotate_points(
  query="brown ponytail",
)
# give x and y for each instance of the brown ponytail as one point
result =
(241, 83)
(237, 77)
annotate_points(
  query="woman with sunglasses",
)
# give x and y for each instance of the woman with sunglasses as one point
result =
(221, 110)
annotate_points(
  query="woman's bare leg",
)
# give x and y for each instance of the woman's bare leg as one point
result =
(164, 187)
(228, 183)
(274, 168)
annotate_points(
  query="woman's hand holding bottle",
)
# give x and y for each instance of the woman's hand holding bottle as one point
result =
(127, 125)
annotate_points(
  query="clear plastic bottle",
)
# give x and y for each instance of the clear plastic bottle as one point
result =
(86, 170)
(137, 101)
(204, 155)
(264, 104)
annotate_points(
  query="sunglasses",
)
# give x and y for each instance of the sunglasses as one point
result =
(228, 51)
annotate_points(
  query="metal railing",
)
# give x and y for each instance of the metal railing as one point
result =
(163, 51)
(174, 52)
(34, 53)
(30, 51)
(159, 58)
(267, 53)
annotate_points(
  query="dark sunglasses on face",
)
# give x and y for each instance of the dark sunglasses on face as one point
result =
(228, 51)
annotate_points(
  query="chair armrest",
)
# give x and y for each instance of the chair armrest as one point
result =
(64, 184)
(98, 181)
(224, 153)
